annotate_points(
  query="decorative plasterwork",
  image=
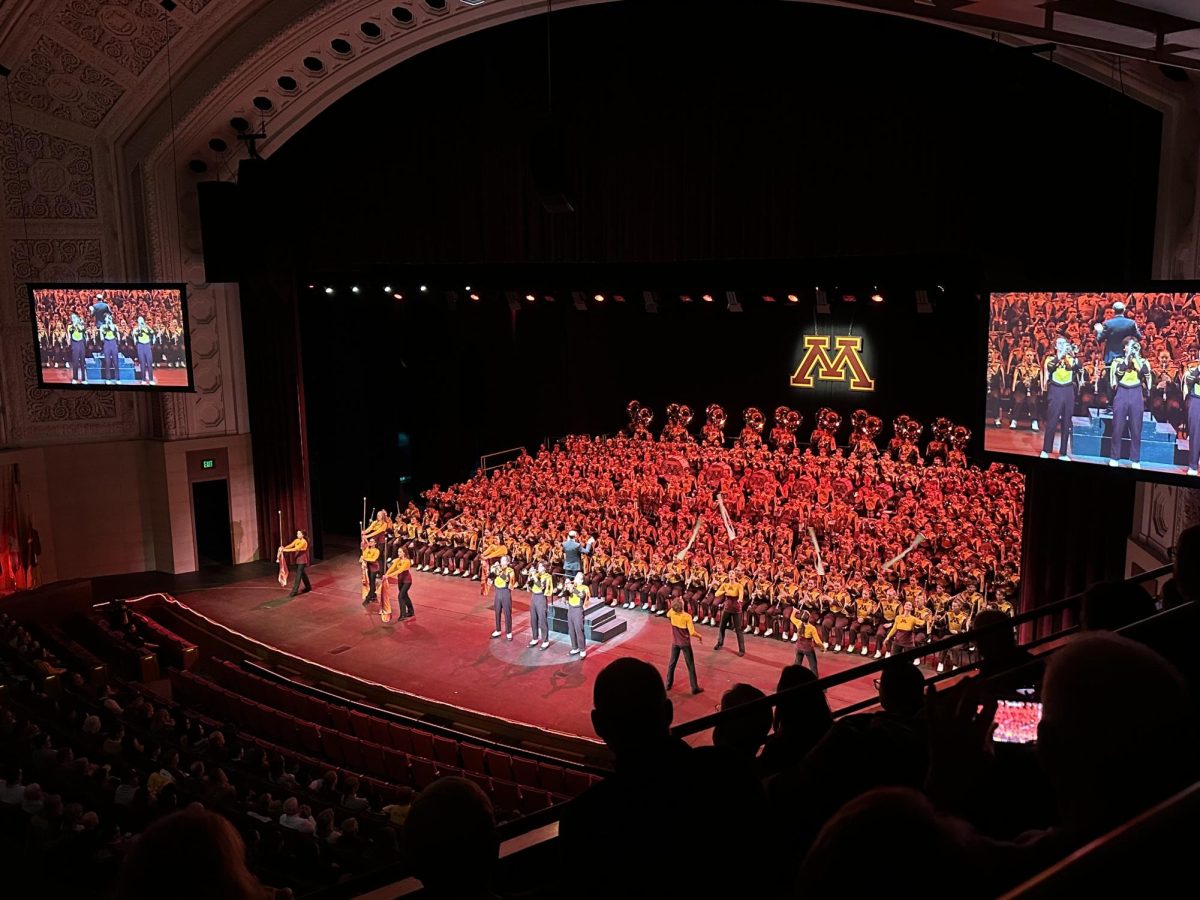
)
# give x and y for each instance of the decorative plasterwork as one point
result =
(47, 177)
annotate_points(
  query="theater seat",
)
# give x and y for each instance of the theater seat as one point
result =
(499, 765)
(525, 772)
(575, 782)
(401, 737)
(361, 725)
(506, 796)
(445, 750)
(424, 772)
(380, 733)
(550, 777)
(373, 759)
(535, 801)
(472, 758)
(422, 744)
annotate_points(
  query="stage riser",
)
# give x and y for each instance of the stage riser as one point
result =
(600, 622)
(1092, 436)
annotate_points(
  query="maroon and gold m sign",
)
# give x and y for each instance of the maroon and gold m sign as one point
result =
(846, 363)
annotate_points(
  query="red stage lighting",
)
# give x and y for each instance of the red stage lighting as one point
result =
(707, 298)
(398, 296)
(767, 298)
(685, 298)
(618, 298)
(877, 297)
(549, 298)
(792, 298)
(474, 297)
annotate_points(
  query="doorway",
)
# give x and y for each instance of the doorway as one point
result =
(210, 511)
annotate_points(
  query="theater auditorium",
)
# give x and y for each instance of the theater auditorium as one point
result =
(560, 448)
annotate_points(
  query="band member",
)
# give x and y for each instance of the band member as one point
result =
(1026, 388)
(997, 385)
(1115, 332)
(865, 614)
(541, 586)
(109, 337)
(502, 578)
(903, 633)
(299, 547)
(378, 529)
(957, 622)
(682, 632)
(1191, 390)
(730, 593)
(143, 339)
(77, 335)
(808, 639)
(578, 594)
(572, 554)
(889, 608)
(371, 566)
(1060, 377)
(401, 571)
(1130, 377)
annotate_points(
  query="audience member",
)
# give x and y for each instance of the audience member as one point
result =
(450, 841)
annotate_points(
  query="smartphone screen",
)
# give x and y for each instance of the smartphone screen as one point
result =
(1017, 721)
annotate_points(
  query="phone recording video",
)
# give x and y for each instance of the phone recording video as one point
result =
(1017, 721)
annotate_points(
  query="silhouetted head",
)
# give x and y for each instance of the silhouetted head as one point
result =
(632, 710)
(1187, 564)
(450, 838)
(993, 642)
(1118, 731)
(1109, 605)
(743, 733)
(902, 690)
(191, 855)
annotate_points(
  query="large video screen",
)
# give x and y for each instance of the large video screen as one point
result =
(1107, 378)
(111, 336)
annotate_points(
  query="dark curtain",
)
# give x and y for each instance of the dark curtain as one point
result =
(275, 392)
(1077, 522)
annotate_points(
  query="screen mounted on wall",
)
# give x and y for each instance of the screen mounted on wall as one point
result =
(1109, 378)
(105, 336)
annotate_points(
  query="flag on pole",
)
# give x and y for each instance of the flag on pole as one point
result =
(283, 569)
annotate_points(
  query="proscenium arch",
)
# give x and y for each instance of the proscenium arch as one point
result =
(403, 29)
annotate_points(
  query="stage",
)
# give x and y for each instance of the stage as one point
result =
(446, 655)
(164, 377)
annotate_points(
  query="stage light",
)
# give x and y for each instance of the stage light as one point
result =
(707, 298)
(530, 297)
(732, 303)
(467, 288)
(424, 289)
(849, 298)
(599, 298)
(767, 298)
(618, 298)
(312, 287)
(877, 297)
(329, 290)
(792, 298)
(474, 297)
(549, 298)
(354, 290)
(398, 296)
(387, 288)
(685, 298)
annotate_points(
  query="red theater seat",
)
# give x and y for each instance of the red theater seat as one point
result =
(380, 733)
(401, 737)
(507, 797)
(373, 760)
(535, 801)
(525, 772)
(354, 754)
(424, 773)
(472, 758)
(361, 724)
(340, 717)
(445, 750)
(482, 780)
(575, 783)
(395, 765)
(499, 765)
(422, 743)
(550, 777)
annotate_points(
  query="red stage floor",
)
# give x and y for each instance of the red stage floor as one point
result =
(446, 653)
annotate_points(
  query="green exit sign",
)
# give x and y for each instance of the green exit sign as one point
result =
(207, 463)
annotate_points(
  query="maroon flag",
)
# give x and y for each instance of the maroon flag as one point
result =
(283, 570)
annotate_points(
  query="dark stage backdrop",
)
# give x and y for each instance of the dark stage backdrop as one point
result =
(792, 133)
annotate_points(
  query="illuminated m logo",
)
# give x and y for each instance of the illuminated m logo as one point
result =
(846, 362)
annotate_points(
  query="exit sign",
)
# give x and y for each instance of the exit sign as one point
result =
(207, 463)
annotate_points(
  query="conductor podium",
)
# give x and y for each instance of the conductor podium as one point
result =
(1091, 435)
(600, 621)
(93, 365)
